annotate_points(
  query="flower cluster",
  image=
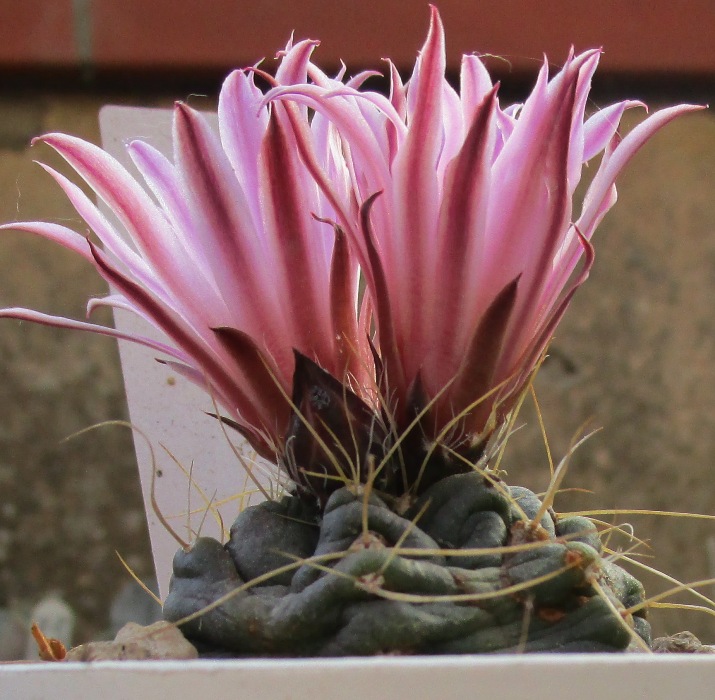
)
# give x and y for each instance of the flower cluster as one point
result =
(350, 273)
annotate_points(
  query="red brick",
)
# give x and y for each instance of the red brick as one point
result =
(37, 33)
(638, 36)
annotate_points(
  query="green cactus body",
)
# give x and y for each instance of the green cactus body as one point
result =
(380, 582)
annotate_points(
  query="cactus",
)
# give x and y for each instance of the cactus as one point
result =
(464, 570)
(365, 285)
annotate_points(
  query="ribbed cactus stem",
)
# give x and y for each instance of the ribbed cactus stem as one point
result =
(473, 574)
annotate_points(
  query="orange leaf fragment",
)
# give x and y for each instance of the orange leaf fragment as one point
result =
(49, 649)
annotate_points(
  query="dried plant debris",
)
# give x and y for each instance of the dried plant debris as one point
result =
(48, 648)
(160, 640)
(472, 566)
(681, 643)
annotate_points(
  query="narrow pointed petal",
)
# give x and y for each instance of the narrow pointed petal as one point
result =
(225, 234)
(242, 125)
(477, 372)
(398, 99)
(557, 218)
(224, 229)
(475, 83)
(417, 189)
(294, 236)
(461, 236)
(343, 297)
(54, 232)
(393, 368)
(600, 128)
(351, 122)
(577, 136)
(146, 224)
(263, 381)
(176, 328)
(523, 367)
(134, 208)
(163, 180)
(530, 199)
(110, 239)
(628, 147)
(21, 314)
(294, 64)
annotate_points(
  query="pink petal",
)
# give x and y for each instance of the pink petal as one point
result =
(343, 298)
(61, 322)
(600, 128)
(165, 318)
(54, 232)
(223, 229)
(111, 240)
(294, 64)
(242, 125)
(416, 191)
(145, 223)
(577, 139)
(294, 236)
(475, 82)
(628, 147)
(476, 374)
(394, 370)
(450, 295)
(265, 387)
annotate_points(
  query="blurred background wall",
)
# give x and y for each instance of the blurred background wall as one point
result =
(635, 355)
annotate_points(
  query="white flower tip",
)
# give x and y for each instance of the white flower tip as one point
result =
(50, 138)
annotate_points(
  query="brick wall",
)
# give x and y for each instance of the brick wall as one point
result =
(639, 36)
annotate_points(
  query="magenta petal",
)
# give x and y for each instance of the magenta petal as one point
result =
(462, 228)
(343, 295)
(394, 377)
(165, 318)
(110, 239)
(54, 232)
(265, 394)
(224, 232)
(134, 208)
(518, 376)
(293, 67)
(416, 188)
(475, 83)
(476, 374)
(555, 225)
(146, 224)
(627, 148)
(246, 251)
(242, 125)
(295, 238)
(600, 128)
(61, 322)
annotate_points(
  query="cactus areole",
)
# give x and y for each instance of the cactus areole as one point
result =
(366, 283)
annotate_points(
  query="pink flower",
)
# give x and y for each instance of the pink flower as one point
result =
(226, 256)
(467, 236)
(457, 212)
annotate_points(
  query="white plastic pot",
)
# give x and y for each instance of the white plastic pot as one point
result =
(534, 677)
